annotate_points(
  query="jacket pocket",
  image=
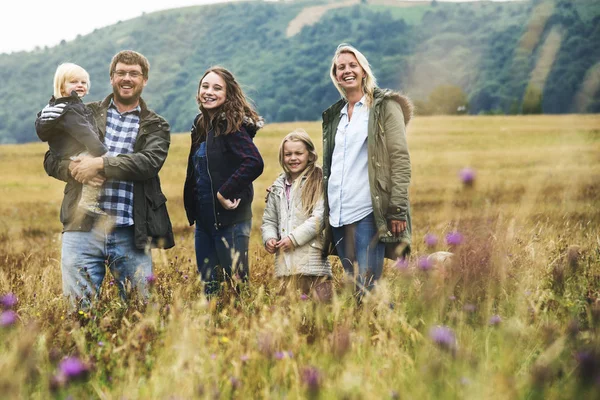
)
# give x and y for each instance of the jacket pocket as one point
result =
(383, 184)
(156, 215)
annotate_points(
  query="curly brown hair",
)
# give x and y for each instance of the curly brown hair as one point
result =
(230, 116)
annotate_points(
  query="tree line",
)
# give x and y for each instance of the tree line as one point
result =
(515, 57)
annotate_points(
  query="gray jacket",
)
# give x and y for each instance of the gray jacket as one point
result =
(305, 232)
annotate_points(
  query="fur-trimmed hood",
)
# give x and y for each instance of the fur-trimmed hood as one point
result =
(405, 103)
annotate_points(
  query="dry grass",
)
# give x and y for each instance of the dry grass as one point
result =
(531, 254)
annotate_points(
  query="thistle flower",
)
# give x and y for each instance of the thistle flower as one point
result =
(8, 318)
(454, 238)
(430, 240)
(402, 264)
(443, 337)
(235, 383)
(495, 320)
(311, 378)
(424, 264)
(73, 368)
(8, 301)
(467, 176)
(151, 279)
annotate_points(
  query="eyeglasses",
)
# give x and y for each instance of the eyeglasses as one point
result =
(123, 74)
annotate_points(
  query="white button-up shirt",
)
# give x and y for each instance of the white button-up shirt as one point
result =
(348, 191)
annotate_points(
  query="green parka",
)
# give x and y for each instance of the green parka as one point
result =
(389, 163)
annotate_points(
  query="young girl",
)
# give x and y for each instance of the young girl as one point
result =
(222, 165)
(292, 222)
(74, 133)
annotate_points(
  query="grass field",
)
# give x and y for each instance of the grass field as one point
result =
(516, 314)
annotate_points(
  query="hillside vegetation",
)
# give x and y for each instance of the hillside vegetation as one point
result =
(483, 57)
(515, 316)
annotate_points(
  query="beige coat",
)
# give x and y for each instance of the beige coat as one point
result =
(305, 232)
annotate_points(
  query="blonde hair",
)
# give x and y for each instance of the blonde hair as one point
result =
(63, 73)
(369, 83)
(313, 174)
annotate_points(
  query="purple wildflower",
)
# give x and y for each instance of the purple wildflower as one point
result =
(151, 279)
(311, 377)
(244, 357)
(454, 238)
(424, 264)
(235, 383)
(431, 240)
(303, 297)
(8, 318)
(100, 343)
(467, 176)
(73, 368)
(452, 298)
(402, 264)
(8, 301)
(443, 337)
(495, 320)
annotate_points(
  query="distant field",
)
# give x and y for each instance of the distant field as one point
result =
(530, 255)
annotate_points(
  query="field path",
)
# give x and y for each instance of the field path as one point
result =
(312, 15)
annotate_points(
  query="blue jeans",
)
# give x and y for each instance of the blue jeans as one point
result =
(358, 243)
(85, 256)
(221, 250)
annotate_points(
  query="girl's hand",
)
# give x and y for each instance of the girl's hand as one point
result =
(271, 246)
(226, 203)
(285, 244)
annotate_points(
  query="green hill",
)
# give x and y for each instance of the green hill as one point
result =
(511, 57)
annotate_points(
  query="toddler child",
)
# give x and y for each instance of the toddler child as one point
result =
(74, 132)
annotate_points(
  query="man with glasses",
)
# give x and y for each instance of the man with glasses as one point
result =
(138, 140)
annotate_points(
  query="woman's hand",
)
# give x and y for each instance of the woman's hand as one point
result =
(285, 244)
(226, 203)
(271, 246)
(397, 226)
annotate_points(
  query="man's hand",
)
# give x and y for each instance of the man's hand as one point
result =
(87, 169)
(285, 244)
(226, 203)
(397, 227)
(50, 113)
(271, 246)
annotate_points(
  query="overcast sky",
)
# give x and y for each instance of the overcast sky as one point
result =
(31, 23)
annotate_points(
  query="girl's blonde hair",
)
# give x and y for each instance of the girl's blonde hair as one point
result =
(63, 73)
(313, 174)
(369, 82)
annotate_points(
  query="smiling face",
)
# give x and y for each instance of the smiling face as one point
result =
(212, 93)
(295, 157)
(78, 83)
(348, 72)
(128, 83)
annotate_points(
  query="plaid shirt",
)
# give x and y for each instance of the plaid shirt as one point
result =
(121, 132)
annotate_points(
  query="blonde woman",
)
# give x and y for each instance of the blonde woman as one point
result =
(292, 224)
(366, 169)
